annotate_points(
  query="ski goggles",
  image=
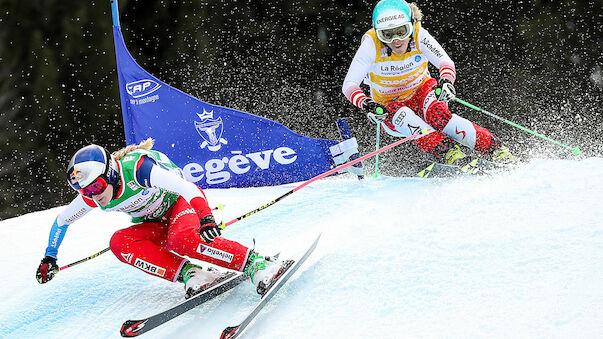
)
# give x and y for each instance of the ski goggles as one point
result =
(391, 34)
(98, 186)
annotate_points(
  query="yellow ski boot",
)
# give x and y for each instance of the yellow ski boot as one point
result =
(502, 155)
(453, 155)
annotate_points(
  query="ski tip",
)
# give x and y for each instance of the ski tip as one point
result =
(229, 332)
(317, 238)
(132, 328)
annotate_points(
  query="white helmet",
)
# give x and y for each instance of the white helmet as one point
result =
(92, 167)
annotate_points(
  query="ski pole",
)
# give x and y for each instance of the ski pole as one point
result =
(378, 112)
(575, 150)
(219, 207)
(377, 155)
(327, 173)
(85, 259)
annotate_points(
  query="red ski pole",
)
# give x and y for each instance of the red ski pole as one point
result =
(320, 176)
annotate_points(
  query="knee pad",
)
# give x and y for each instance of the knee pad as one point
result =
(402, 121)
(438, 115)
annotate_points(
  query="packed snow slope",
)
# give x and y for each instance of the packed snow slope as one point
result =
(515, 255)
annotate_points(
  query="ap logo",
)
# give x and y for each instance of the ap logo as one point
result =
(142, 88)
(210, 130)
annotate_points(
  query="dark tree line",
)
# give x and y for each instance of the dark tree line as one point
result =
(537, 63)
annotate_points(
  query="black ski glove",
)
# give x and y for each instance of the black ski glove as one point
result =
(370, 106)
(47, 269)
(374, 111)
(445, 90)
(208, 229)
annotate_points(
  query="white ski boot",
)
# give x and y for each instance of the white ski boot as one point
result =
(262, 270)
(196, 278)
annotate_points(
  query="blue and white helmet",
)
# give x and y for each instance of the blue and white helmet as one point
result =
(392, 19)
(90, 163)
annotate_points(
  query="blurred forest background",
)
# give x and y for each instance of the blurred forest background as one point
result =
(536, 63)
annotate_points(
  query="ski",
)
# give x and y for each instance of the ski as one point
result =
(290, 266)
(481, 166)
(133, 328)
(437, 170)
(476, 166)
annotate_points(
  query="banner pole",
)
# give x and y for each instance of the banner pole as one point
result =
(115, 13)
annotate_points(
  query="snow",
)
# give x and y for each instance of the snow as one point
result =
(517, 254)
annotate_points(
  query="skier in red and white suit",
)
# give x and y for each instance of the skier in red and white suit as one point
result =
(171, 215)
(393, 59)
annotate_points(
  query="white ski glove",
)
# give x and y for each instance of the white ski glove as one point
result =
(374, 111)
(445, 90)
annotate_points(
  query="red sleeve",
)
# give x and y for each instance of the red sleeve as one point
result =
(200, 205)
(89, 201)
(356, 96)
(447, 71)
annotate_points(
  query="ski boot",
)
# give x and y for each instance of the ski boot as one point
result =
(502, 155)
(467, 164)
(453, 155)
(196, 279)
(262, 271)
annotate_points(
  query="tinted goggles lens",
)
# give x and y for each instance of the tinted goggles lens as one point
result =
(97, 187)
(389, 35)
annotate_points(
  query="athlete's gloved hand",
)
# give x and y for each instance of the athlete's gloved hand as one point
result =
(370, 106)
(208, 229)
(47, 269)
(374, 111)
(445, 90)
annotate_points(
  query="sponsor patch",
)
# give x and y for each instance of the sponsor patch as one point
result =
(133, 186)
(399, 118)
(150, 268)
(400, 16)
(456, 130)
(215, 253)
(437, 52)
(127, 257)
(429, 99)
(75, 177)
(141, 88)
(414, 129)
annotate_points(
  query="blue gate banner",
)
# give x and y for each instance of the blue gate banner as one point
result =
(217, 147)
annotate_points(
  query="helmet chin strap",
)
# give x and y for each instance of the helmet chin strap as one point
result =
(112, 174)
(116, 187)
